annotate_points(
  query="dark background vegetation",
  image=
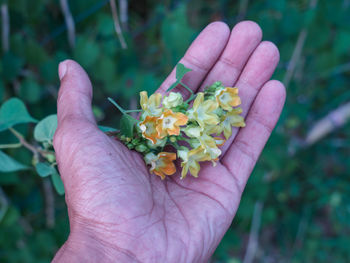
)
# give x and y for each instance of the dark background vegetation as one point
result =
(298, 194)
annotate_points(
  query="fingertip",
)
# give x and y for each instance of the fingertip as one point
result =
(270, 99)
(215, 35)
(250, 29)
(278, 89)
(269, 50)
(75, 93)
(219, 26)
(62, 69)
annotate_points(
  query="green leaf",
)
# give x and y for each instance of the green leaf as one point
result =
(14, 112)
(57, 183)
(86, 51)
(181, 71)
(127, 125)
(30, 91)
(107, 129)
(8, 164)
(44, 169)
(11, 65)
(45, 129)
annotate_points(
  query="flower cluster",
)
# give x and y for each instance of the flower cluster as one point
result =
(169, 128)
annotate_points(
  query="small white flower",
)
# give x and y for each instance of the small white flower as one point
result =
(172, 100)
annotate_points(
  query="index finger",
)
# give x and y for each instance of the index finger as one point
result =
(200, 57)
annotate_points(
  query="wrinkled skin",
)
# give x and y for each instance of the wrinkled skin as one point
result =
(119, 212)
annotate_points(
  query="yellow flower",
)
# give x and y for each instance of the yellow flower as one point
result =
(209, 145)
(219, 141)
(161, 164)
(148, 128)
(228, 98)
(191, 160)
(193, 131)
(169, 122)
(202, 111)
(172, 100)
(150, 105)
(211, 129)
(159, 143)
(232, 118)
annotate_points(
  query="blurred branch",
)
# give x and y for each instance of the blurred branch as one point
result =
(124, 17)
(339, 69)
(295, 57)
(69, 22)
(5, 22)
(254, 233)
(49, 203)
(297, 50)
(79, 18)
(10, 145)
(117, 27)
(334, 120)
(300, 235)
(242, 9)
(4, 204)
(30, 147)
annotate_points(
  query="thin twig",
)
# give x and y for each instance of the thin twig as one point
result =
(117, 27)
(254, 233)
(34, 150)
(10, 145)
(5, 22)
(242, 9)
(295, 57)
(123, 12)
(24, 142)
(335, 119)
(49, 203)
(297, 50)
(69, 22)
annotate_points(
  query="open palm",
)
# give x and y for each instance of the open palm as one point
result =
(118, 211)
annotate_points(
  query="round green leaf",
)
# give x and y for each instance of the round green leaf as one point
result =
(8, 164)
(57, 183)
(14, 112)
(44, 169)
(45, 129)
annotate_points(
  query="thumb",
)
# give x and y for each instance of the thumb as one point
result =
(75, 94)
(74, 110)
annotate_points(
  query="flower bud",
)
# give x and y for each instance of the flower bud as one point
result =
(172, 100)
(141, 148)
(130, 146)
(51, 158)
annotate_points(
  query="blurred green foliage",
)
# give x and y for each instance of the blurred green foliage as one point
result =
(304, 190)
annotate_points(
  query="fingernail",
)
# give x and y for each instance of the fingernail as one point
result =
(62, 70)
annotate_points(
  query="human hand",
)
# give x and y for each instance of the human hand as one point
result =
(118, 211)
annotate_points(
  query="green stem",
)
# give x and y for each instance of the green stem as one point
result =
(22, 141)
(10, 145)
(193, 96)
(181, 138)
(117, 105)
(127, 111)
(186, 87)
(175, 144)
